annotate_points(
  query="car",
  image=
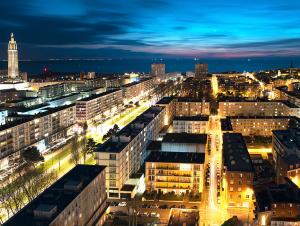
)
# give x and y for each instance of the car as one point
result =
(145, 206)
(182, 206)
(174, 206)
(194, 207)
(153, 214)
(218, 200)
(164, 207)
(154, 206)
(145, 214)
(122, 204)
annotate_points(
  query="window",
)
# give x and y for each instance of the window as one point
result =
(112, 157)
(239, 188)
(231, 189)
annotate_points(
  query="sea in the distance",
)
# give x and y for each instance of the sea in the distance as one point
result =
(143, 65)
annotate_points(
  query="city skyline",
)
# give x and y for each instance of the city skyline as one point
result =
(147, 29)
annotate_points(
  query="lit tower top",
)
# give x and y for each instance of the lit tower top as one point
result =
(13, 63)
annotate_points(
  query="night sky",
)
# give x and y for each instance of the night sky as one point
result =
(150, 28)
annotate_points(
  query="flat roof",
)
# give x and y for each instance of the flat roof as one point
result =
(154, 145)
(185, 138)
(191, 118)
(130, 131)
(176, 157)
(282, 193)
(186, 99)
(235, 153)
(58, 196)
(226, 124)
(165, 100)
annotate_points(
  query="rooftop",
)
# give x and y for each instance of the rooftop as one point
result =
(282, 193)
(185, 138)
(154, 145)
(191, 118)
(235, 153)
(186, 99)
(226, 124)
(57, 197)
(165, 100)
(176, 157)
(119, 141)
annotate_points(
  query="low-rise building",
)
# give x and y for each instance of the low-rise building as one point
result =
(190, 124)
(184, 142)
(78, 198)
(238, 171)
(98, 106)
(286, 154)
(278, 205)
(124, 152)
(178, 172)
(191, 107)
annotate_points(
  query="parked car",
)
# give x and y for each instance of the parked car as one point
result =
(122, 204)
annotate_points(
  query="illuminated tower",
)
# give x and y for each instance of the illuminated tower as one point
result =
(13, 64)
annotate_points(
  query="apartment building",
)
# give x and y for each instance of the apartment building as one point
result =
(282, 93)
(52, 91)
(135, 91)
(278, 205)
(201, 70)
(191, 107)
(98, 106)
(42, 130)
(259, 125)
(184, 142)
(250, 108)
(179, 172)
(238, 171)
(124, 153)
(190, 124)
(168, 104)
(78, 198)
(286, 154)
(158, 69)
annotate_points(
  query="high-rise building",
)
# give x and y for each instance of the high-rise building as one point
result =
(158, 69)
(201, 70)
(13, 64)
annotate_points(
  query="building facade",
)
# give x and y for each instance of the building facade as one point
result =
(192, 124)
(178, 172)
(124, 153)
(286, 154)
(201, 71)
(238, 171)
(41, 130)
(158, 69)
(13, 61)
(191, 107)
(78, 198)
(98, 106)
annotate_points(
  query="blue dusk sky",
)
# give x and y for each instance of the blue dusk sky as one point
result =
(151, 28)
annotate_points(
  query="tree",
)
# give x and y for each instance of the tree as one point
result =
(85, 127)
(88, 147)
(75, 156)
(32, 155)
